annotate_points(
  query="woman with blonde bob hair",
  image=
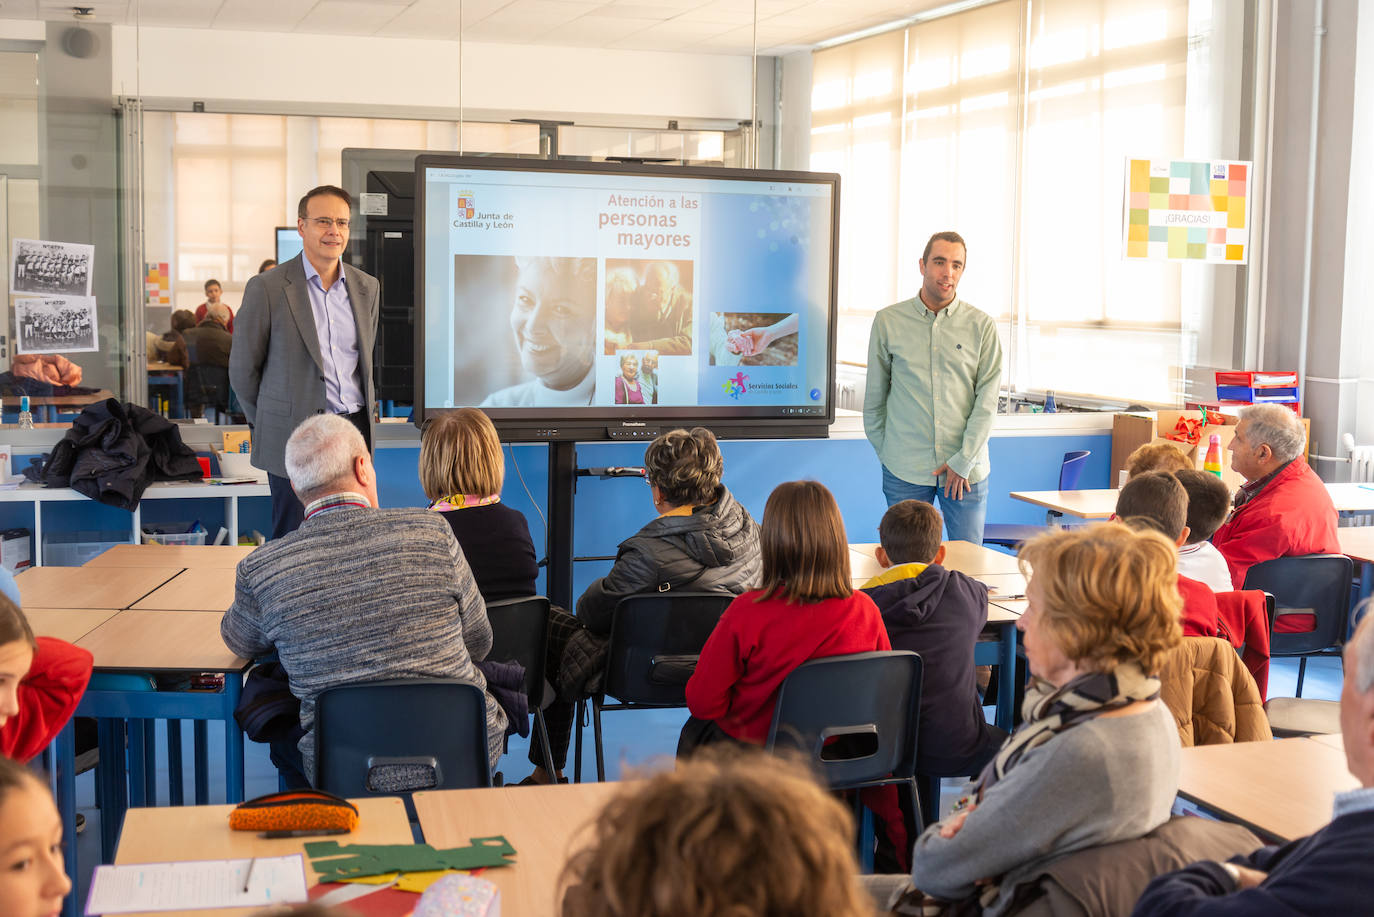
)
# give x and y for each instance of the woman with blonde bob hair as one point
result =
(1096, 759)
(746, 834)
(462, 469)
(805, 609)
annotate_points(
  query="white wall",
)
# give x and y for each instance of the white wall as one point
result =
(1359, 229)
(795, 121)
(534, 80)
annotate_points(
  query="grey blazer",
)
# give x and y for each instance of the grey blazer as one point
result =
(275, 366)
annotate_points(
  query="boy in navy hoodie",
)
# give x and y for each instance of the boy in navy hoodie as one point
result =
(937, 613)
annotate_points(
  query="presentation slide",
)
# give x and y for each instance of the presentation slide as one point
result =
(548, 289)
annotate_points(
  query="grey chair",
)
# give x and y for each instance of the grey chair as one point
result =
(520, 633)
(1310, 584)
(655, 640)
(388, 738)
(854, 718)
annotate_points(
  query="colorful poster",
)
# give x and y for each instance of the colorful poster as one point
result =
(1187, 210)
(157, 284)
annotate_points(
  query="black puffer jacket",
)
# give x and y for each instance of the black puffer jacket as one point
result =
(715, 549)
(114, 451)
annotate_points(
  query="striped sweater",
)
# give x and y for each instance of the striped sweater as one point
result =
(363, 595)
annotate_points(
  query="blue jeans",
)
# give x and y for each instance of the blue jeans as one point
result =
(963, 517)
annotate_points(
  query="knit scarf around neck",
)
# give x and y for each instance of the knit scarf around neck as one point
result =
(1048, 711)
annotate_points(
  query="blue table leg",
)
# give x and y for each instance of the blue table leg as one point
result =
(113, 785)
(200, 739)
(233, 739)
(1006, 677)
(176, 792)
(64, 790)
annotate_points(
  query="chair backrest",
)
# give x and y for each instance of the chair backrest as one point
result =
(655, 639)
(868, 703)
(1072, 468)
(206, 384)
(1314, 584)
(384, 738)
(520, 633)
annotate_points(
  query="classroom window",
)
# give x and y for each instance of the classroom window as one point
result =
(1011, 123)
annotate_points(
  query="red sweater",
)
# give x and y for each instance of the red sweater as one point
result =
(48, 696)
(1292, 515)
(757, 644)
(1201, 617)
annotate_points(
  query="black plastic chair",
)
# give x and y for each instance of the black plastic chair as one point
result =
(1010, 535)
(854, 718)
(207, 387)
(391, 738)
(1311, 584)
(655, 641)
(520, 633)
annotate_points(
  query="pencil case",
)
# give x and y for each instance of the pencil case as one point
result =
(295, 810)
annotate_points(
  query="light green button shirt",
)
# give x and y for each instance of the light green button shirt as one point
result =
(933, 379)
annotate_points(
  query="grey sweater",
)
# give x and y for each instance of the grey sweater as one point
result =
(363, 595)
(1109, 779)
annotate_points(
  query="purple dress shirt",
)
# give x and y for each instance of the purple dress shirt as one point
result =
(338, 332)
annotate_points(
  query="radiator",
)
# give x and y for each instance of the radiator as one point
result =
(1361, 472)
(849, 395)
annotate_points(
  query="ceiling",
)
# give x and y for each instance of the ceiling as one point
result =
(695, 26)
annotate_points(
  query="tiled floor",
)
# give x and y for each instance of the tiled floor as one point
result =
(634, 739)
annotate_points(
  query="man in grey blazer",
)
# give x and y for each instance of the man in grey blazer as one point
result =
(303, 344)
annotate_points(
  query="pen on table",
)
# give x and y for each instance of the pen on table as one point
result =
(303, 832)
(248, 874)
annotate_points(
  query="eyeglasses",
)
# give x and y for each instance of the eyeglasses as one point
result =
(325, 223)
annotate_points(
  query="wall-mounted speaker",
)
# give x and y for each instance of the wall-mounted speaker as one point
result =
(79, 42)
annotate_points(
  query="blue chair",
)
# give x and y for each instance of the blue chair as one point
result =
(1011, 535)
(655, 640)
(520, 633)
(1311, 584)
(391, 738)
(854, 718)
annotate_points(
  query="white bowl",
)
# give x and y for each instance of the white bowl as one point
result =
(239, 465)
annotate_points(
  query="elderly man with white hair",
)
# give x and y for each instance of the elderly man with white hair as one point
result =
(1282, 509)
(358, 593)
(1324, 873)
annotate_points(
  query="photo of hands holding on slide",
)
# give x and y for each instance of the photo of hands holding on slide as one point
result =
(648, 306)
(754, 338)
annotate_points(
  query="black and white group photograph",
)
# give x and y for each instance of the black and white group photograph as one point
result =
(51, 268)
(55, 325)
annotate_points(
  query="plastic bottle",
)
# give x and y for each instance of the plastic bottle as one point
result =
(1212, 462)
(25, 415)
(1049, 403)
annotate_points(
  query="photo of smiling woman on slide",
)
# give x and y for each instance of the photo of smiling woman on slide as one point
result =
(526, 331)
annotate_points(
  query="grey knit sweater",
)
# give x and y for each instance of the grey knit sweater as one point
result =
(363, 595)
(1109, 779)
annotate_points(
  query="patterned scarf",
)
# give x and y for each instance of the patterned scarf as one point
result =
(1048, 711)
(463, 501)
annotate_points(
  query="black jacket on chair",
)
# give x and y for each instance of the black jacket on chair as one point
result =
(113, 451)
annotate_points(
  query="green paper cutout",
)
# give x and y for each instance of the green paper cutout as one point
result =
(335, 862)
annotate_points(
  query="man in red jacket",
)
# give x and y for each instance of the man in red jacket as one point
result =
(1283, 508)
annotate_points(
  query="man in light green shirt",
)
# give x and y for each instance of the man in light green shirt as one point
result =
(934, 368)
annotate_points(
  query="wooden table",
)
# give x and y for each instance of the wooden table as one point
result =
(972, 559)
(161, 835)
(1100, 504)
(1334, 740)
(1281, 790)
(1003, 585)
(157, 555)
(1352, 498)
(197, 589)
(137, 642)
(45, 408)
(1084, 504)
(1357, 543)
(88, 587)
(541, 823)
(70, 624)
(161, 641)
